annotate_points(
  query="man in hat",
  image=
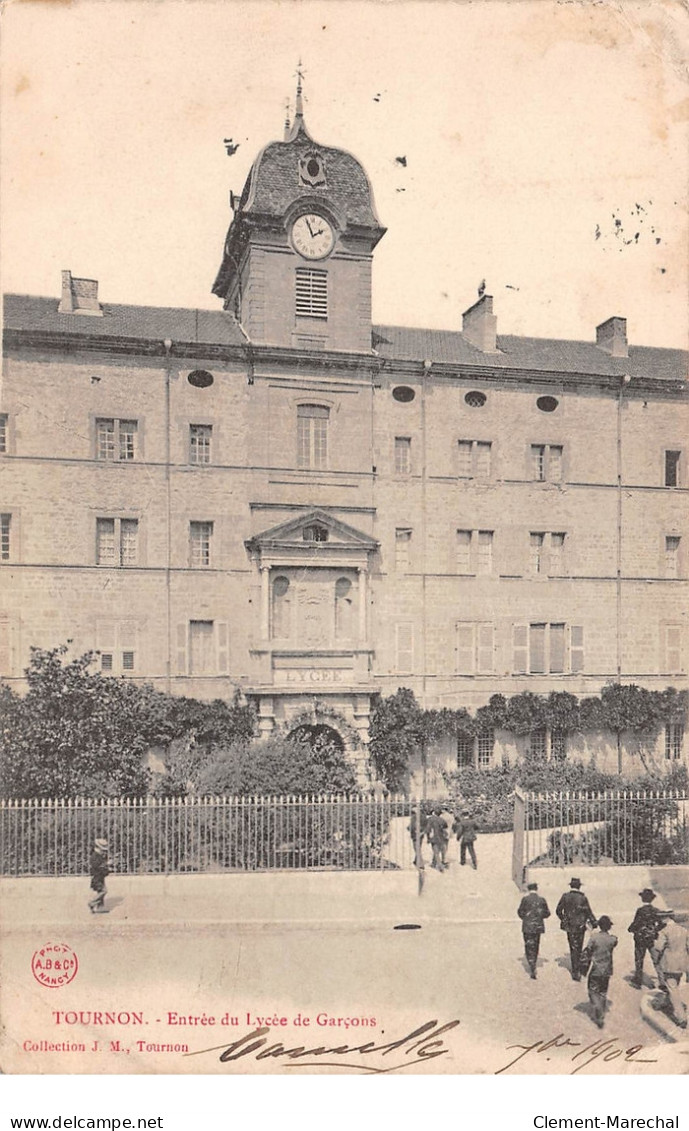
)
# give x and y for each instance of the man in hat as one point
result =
(598, 957)
(465, 829)
(644, 927)
(99, 870)
(574, 912)
(437, 835)
(670, 952)
(533, 911)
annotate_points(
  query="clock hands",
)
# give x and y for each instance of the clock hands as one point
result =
(311, 231)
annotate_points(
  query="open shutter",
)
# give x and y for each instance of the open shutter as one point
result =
(576, 650)
(5, 644)
(128, 645)
(520, 647)
(223, 647)
(106, 643)
(673, 648)
(181, 649)
(465, 649)
(485, 648)
(404, 639)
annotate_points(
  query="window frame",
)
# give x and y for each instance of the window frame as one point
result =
(523, 641)
(475, 452)
(482, 642)
(118, 561)
(674, 741)
(403, 446)
(195, 449)
(312, 439)
(119, 434)
(201, 543)
(678, 471)
(403, 537)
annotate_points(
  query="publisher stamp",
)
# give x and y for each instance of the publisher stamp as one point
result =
(54, 965)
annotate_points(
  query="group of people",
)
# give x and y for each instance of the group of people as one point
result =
(655, 931)
(434, 828)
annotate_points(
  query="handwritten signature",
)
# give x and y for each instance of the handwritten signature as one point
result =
(421, 1045)
(610, 1050)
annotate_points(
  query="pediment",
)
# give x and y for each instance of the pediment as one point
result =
(294, 535)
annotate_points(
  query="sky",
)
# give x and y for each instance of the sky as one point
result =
(546, 148)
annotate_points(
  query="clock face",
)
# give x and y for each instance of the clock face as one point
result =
(312, 236)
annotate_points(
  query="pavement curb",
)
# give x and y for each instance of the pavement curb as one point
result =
(658, 1019)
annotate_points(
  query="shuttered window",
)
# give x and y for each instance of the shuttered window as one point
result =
(475, 648)
(671, 636)
(539, 648)
(117, 643)
(404, 648)
(312, 293)
(203, 648)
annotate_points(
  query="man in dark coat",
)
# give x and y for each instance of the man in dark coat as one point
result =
(644, 927)
(437, 835)
(598, 955)
(533, 911)
(574, 912)
(99, 870)
(465, 829)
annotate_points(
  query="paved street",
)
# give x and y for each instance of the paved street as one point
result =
(317, 945)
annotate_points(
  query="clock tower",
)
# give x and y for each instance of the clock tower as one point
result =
(296, 267)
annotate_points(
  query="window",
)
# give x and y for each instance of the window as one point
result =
(674, 738)
(558, 745)
(538, 744)
(344, 609)
(312, 293)
(547, 552)
(671, 648)
(402, 550)
(281, 608)
(536, 555)
(201, 647)
(540, 647)
(315, 533)
(3, 432)
(474, 648)
(673, 468)
(672, 543)
(473, 459)
(117, 541)
(476, 750)
(5, 537)
(200, 537)
(485, 745)
(475, 399)
(557, 554)
(200, 436)
(312, 435)
(475, 551)
(402, 455)
(117, 643)
(6, 641)
(546, 462)
(547, 404)
(404, 648)
(465, 751)
(116, 439)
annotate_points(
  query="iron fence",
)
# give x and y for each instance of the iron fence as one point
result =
(609, 827)
(205, 834)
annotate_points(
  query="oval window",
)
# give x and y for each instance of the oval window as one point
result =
(403, 394)
(547, 404)
(200, 379)
(475, 399)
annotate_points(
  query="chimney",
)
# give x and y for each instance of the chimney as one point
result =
(79, 296)
(480, 325)
(611, 336)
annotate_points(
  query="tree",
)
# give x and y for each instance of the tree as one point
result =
(278, 766)
(396, 734)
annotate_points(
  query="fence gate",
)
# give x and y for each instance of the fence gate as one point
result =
(518, 860)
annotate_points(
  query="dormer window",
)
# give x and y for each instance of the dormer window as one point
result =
(315, 533)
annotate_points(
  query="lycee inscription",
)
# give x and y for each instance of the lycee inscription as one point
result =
(313, 675)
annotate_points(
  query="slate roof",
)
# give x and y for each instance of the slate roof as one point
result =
(546, 354)
(154, 323)
(218, 328)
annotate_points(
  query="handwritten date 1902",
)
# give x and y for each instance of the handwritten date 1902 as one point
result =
(610, 1050)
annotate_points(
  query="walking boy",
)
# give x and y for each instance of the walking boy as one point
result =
(598, 953)
(99, 870)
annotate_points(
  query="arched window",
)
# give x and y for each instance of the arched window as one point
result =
(281, 608)
(312, 435)
(343, 609)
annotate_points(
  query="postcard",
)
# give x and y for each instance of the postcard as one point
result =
(343, 480)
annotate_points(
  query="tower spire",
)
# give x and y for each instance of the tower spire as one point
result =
(287, 121)
(299, 108)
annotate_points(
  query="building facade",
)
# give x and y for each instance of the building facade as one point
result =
(283, 498)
